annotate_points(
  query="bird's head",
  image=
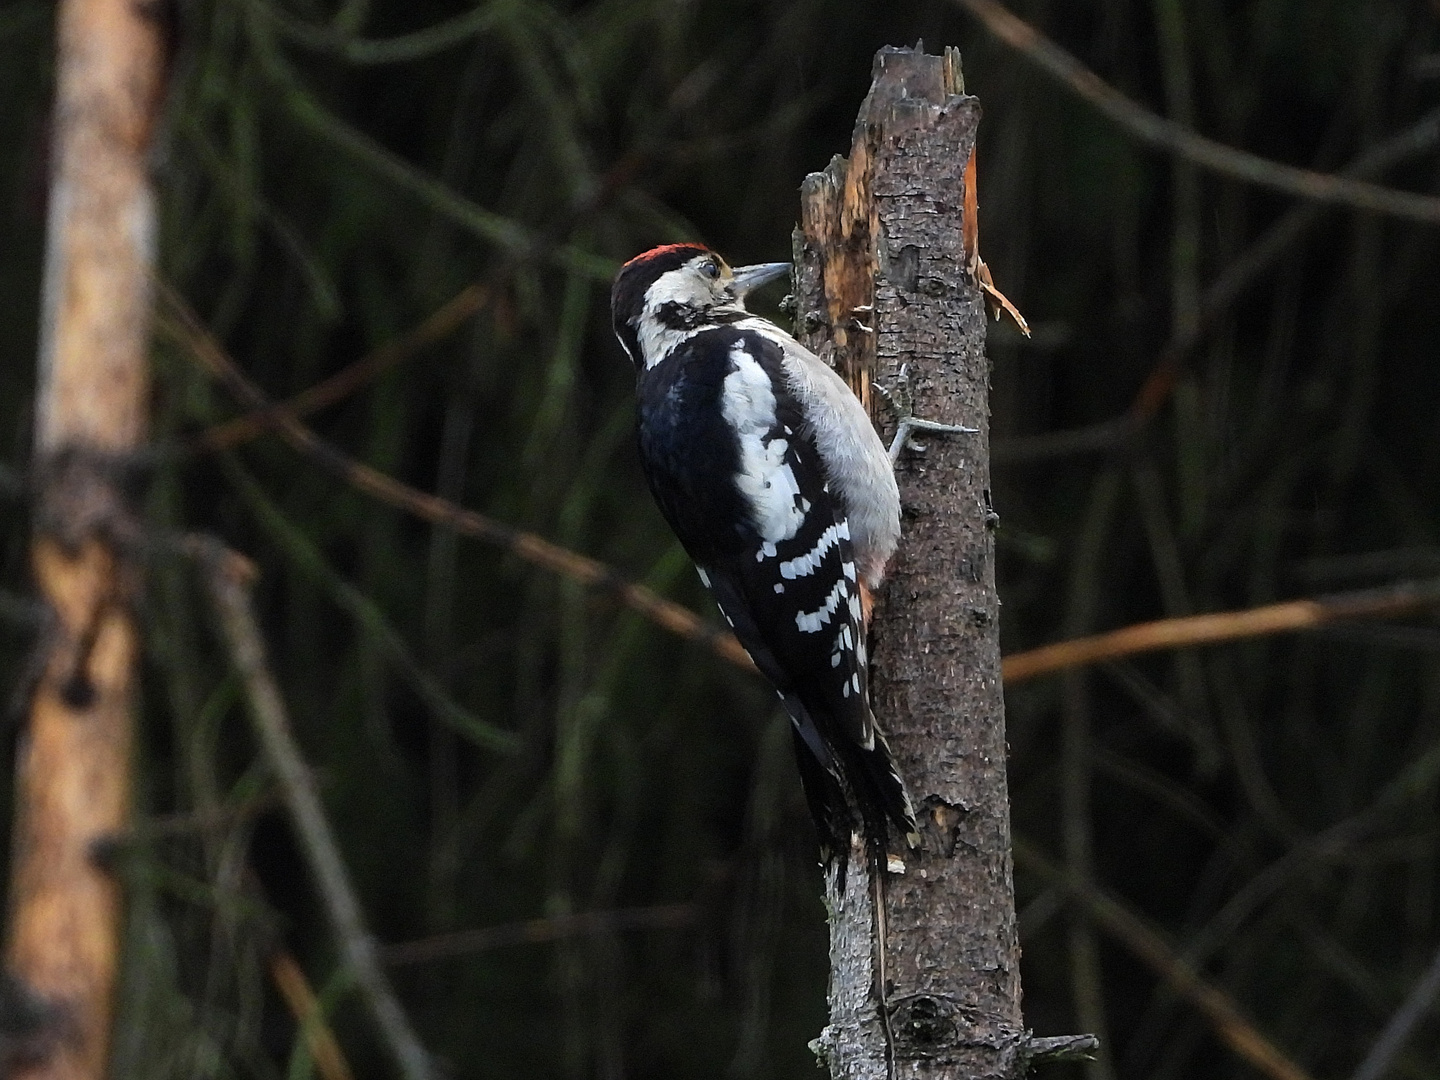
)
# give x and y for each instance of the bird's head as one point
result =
(674, 290)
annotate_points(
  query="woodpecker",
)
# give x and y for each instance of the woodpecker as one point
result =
(771, 474)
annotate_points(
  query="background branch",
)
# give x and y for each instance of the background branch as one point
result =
(226, 578)
(1178, 633)
(186, 329)
(1176, 139)
(538, 931)
(1392, 1039)
(1217, 1007)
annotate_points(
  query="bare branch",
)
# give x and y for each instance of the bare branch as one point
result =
(1182, 141)
(1229, 285)
(226, 577)
(1392, 1040)
(368, 616)
(416, 45)
(467, 302)
(1131, 931)
(185, 327)
(1221, 626)
(536, 931)
(304, 1006)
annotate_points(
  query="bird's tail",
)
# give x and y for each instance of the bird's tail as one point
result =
(839, 781)
(881, 792)
(829, 806)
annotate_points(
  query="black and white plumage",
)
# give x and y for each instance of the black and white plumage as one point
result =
(770, 472)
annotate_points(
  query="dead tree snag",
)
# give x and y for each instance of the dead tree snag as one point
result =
(886, 290)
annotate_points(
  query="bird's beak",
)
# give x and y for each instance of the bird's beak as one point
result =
(752, 277)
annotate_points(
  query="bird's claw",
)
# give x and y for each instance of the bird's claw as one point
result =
(901, 401)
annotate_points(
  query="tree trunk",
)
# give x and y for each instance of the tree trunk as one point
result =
(73, 782)
(882, 284)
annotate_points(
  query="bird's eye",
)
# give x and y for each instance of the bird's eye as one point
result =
(710, 268)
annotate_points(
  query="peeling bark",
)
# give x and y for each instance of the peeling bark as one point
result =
(882, 283)
(73, 782)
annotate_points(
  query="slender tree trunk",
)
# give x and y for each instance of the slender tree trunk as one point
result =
(73, 784)
(883, 284)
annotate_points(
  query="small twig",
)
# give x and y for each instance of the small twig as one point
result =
(146, 830)
(1412, 1010)
(226, 578)
(1131, 931)
(368, 616)
(185, 327)
(1048, 1049)
(1232, 282)
(537, 931)
(1177, 139)
(393, 50)
(304, 1006)
(1221, 626)
(487, 225)
(441, 322)
(1227, 287)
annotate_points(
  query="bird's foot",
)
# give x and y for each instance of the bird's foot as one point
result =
(901, 400)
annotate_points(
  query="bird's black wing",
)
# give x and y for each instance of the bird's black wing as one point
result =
(773, 546)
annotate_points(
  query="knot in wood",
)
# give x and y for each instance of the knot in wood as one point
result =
(31, 1027)
(923, 1022)
(83, 492)
(814, 321)
(936, 1027)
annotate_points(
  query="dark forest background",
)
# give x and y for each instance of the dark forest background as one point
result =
(334, 173)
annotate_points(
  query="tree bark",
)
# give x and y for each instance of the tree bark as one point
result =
(882, 284)
(73, 767)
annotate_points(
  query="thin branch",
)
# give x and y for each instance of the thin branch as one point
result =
(1182, 141)
(1107, 436)
(467, 302)
(253, 205)
(536, 931)
(486, 224)
(1221, 626)
(226, 577)
(1224, 1015)
(368, 616)
(184, 326)
(470, 301)
(304, 1006)
(1392, 1040)
(393, 50)
(1232, 282)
